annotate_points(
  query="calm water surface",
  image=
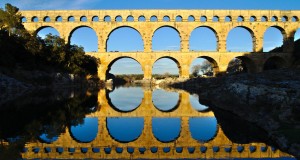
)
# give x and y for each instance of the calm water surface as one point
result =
(128, 122)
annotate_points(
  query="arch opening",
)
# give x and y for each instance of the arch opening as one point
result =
(191, 18)
(124, 39)
(107, 19)
(118, 19)
(241, 64)
(195, 103)
(71, 19)
(264, 19)
(228, 19)
(166, 67)
(86, 131)
(253, 19)
(240, 19)
(44, 31)
(274, 19)
(284, 19)
(203, 38)
(124, 69)
(273, 39)
(215, 19)
(124, 129)
(34, 19)
(153, 18)
(47, 19)
(178, 19)
(58, 19)
(166, 19)
(83, 19)
(129, 19)
(204, 67)
(142, 19)
(95, 19)
(275, 62)
(203, 19)
(166, 38)
(295, 19)
(166, 129)
(240, 39)
(23, 19)
(85, 37)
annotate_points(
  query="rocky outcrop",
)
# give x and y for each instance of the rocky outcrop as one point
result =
(271, 100)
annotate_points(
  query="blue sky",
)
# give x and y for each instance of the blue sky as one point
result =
(166, 38)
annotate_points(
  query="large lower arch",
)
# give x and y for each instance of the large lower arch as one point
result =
(86, 37)
(43, 31)
(241, 64)
(166, 38)
(165, 65)
(125, 68)
(203, 61)
(240, 39)
(204, 38)
(124, 39)
(166, 129)
(274, 62)
(274, 37)
(124, 129)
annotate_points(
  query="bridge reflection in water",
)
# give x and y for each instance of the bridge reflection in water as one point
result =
(147, 130)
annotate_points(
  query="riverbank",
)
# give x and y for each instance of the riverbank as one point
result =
(270, 99)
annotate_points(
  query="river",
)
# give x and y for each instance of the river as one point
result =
(128, 122)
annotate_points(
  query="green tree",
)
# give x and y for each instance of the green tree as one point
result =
(10, 19)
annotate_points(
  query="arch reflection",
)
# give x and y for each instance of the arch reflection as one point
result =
(194, 100)
(166, 129)
(85, 132)
(126, 99)
(123, 129)
(165, 101)
(48, 138)
(203, 129)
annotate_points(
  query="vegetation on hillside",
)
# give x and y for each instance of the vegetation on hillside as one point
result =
(21, 49)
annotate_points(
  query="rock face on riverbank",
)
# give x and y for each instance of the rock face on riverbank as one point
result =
(270, 99)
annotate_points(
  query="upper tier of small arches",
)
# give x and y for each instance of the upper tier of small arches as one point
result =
(161, 16)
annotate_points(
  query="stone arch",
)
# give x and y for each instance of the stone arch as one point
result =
(284, 19)
(212, 61)
(166, 26)
(48, 26)
(295, 19)
(58, 19)
(178, 18)
(160, 97)
(107, 18)
(71, 19)
(118, 18)
(241, 64)
(253, 19)
(161, 125)
(240, 19)
(177, 62)
(153, 18)
(131, 128)
(130, 18)
(34, 19)
(47, 19)
(95, 19)
(203, 19)
(211, 29)
(216, 19)
(166, 18)
(264, 19)
(142, 18)
(84, 26)
(228, 19)
(23, 19)
(274, 19)
(106, 42)
(275, 62)
(250, 31)
(283, 34)
(191, 18)
(116, 59)
(83, 19)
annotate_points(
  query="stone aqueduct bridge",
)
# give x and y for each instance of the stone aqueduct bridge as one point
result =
(105, 146)
(146, 22)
